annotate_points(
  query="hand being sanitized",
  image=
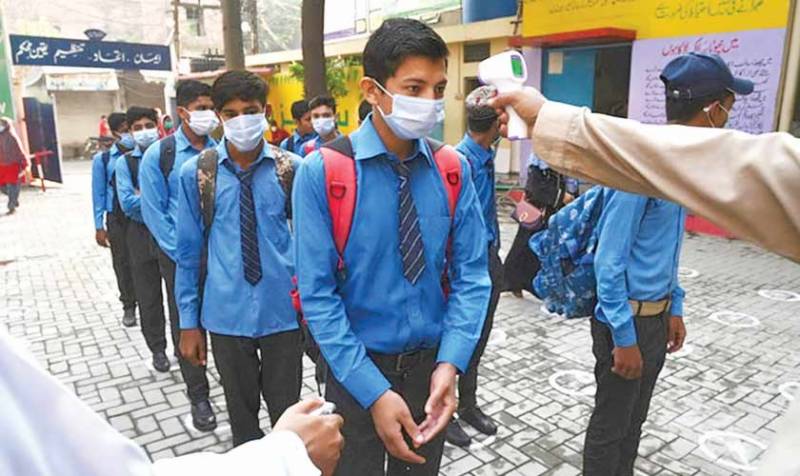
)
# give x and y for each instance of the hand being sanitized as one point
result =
(507, 72)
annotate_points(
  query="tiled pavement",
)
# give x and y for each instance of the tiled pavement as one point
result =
(716, 404)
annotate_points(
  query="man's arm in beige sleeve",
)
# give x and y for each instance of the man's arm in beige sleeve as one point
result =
(747, 184)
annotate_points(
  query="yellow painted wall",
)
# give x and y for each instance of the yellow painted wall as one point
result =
(284, 90)
(653, 18)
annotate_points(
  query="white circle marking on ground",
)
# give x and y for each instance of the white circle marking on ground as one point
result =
(497, 338)
(687, 273)
(732, 450)
(789, 390)
(779, 295)
(573, 382)
(734, 319)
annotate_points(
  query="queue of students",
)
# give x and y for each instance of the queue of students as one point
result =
(390, 240)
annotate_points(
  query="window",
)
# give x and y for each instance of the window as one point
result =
(194, 20)
(476, 52)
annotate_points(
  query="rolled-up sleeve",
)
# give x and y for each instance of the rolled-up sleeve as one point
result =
(622, 216)
(155, 201)
(470, 285)
(189, 247)
(99, 189)
(316, 261)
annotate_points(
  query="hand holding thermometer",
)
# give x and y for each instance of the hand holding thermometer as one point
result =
(507, 73)
(327, 408)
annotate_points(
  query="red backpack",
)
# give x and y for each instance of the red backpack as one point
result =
(341, 189)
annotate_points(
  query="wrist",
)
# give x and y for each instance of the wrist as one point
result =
(447, 367)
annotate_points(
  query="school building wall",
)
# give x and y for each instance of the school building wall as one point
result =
(284, 89)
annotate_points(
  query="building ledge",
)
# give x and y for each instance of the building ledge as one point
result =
(594, 36)
(464, 32)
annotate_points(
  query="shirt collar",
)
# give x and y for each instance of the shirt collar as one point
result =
(305, 138)
(182, 142)
(370, 144)
(476, 150)
(222, 151)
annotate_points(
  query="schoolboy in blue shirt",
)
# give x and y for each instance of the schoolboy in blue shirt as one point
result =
(160, 212)
(246, 303)
(303, 131)
(392, 340)
(110, 222)
(478, 147)
(323, 119)
(638, 318)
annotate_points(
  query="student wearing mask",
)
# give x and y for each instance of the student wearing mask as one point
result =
(638, 318)
(110, 223)
(142, 249)
(323, 118)
(235, 260)
(478, 147)
(159, 181)
(303, 131)
(392, 339)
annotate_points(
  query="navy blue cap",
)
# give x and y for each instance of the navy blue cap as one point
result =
(698, 75)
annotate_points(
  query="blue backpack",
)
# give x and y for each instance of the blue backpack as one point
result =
(566, 280)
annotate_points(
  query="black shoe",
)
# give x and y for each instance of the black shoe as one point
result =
(456, 435)
(161, 362)
(203, 417)
(129, 318)
(478, 420)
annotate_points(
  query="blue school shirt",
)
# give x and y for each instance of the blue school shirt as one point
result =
(482, 164)
(102, 186)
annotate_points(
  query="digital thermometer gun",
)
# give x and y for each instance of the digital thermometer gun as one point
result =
(507, 73)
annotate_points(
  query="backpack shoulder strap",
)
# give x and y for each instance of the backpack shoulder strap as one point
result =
(284, 169)
(133, 168)
(106, 158)
(449, 164)
(340, 187)
(207, 165)
(166, 152)
(290, 143)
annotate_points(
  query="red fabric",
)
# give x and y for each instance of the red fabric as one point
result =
(12, 158)
(9, 174)
(104, 130)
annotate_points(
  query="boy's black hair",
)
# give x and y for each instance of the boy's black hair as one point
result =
(188, 90)
(363, 110)
(683, 110)
(135, 113)
(242, 85)
(322, 101)
(481, 124)
(299, 108)
(396, 40)
(116, 120)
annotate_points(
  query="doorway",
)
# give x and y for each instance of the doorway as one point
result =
(596, 77)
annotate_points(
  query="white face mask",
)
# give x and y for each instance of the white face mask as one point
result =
(411, 117)
(323, 125)
(126, 140)
(246, 131)
(145, 137)
(708, 115)
(203, 122)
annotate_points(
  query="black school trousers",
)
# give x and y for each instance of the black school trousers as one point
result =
(621, 406)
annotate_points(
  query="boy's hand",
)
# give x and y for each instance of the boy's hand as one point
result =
(391, 416)
(193, 346)
(442, 402)
(101, 237)
(677, 334)
(627, 362)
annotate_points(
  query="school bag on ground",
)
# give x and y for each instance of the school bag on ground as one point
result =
(566, 280)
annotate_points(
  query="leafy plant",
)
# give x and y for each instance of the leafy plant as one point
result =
(339, 71)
